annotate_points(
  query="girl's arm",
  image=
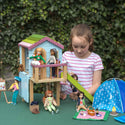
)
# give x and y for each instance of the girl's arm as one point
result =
(96, 81)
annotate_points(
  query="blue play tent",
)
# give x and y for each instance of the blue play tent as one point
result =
(110, 93)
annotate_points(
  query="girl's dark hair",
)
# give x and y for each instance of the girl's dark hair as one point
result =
(81, 30)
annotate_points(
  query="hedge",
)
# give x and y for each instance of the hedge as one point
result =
(55, 18)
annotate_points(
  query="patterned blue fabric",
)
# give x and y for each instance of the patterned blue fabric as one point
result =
(107, 96)
(121, 85)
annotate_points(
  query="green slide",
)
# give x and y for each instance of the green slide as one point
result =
(79, 87)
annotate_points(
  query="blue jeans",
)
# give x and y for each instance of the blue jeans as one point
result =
(15, 94)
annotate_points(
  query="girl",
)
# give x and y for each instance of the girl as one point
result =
(82, 61)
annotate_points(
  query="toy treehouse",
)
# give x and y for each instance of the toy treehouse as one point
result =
(35, 53)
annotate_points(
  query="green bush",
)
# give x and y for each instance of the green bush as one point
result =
(55, 18)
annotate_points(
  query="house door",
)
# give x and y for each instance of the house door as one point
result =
(24, 86)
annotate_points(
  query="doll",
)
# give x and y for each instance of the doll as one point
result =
(81, 102)
(15, 88)
(38, 56)
(52, 60)
(49, 102)
(74, 93)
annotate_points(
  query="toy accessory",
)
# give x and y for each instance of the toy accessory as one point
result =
(3, 89)
(91, 111)
(109, 94)
(83, 115)
(113, 113)
(120, 119)
(34, 107)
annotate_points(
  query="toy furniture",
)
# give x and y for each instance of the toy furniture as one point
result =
(3, 88)
(39, 74)
(83, 115)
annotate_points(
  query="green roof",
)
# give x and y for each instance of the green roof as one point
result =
(33, 38)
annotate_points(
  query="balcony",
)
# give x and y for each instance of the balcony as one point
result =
(40, 73)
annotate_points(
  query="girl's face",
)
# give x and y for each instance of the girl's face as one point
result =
(80, 47)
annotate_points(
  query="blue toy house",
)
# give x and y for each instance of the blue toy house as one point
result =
(39, 73)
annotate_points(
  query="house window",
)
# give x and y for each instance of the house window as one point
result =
(25, 61)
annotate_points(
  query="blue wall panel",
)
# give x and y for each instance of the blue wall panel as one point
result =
(24, 86)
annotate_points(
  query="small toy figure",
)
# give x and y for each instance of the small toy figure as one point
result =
(52, 60)
(97, 113)
(37, 56)
(21, 68)
(15, 86)
(81, 102)
(50, 102)
(74, 93)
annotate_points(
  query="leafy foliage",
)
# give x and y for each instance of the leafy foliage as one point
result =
(55, 18)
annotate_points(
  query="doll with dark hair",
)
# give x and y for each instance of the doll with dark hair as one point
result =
(74, 93)
(81, 102)
(52, 59)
